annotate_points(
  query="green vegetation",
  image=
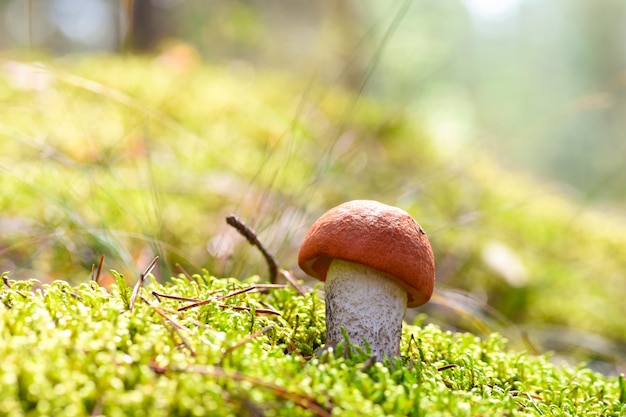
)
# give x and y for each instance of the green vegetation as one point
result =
(131, 157)
(80, 351)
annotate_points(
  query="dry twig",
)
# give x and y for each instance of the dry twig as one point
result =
(300, 400)
(175, 325)
(184, 272)
(159, 295)
(293, 281)
(256, 310)
(197, 303)
(96, 277)
(140, 282)
(251, 236)
(210, 300)
(448, 366)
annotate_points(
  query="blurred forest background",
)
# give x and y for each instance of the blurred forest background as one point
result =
(539, 84)
(498, 124)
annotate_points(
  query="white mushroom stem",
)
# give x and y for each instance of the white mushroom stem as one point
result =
(367, 304)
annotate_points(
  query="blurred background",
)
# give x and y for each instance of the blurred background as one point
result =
(132, 128)
(538, 83)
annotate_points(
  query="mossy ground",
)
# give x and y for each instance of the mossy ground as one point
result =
(130, 157)
(80, 351)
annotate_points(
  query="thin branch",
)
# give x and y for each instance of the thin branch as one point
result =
(268, 286)
(210, 300)
(197, 303)
(184, 272)
(97, 277)
(161, 313)
(234, 293)
(141, 280)
(293, 281)
(251, 236)
(257, 310)
(270, 307)
(300, 400)
(159, 295)
(178, 332)
(175, 325)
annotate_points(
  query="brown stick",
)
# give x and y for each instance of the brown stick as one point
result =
(140, 282)
(184, 272)
(448, 366)
(300, 400)
(257, 310)
(175, 325)
(97, 277)
(159, 295)
(221, 297)
(251, 236)
(293, 281)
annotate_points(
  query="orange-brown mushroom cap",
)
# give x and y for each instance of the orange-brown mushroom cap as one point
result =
(376, 235)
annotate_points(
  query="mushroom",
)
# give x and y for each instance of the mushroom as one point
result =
(375, 260)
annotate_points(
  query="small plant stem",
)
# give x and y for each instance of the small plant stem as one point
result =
(288, 275)
(257, 310)
(184, 272)
(100, 265)
(448, 366)
(140, 282)
(268, 286)
(159, 295)
(175, 325)
(269, 307)
(251, 236)
(300, 400)
(210, 300)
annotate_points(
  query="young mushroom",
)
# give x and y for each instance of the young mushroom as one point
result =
(375, 260)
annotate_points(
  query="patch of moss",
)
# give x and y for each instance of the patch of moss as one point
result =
(79, 351)
(129, 157)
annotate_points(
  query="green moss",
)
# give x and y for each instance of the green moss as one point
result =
(79, 350)
(129, 157)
